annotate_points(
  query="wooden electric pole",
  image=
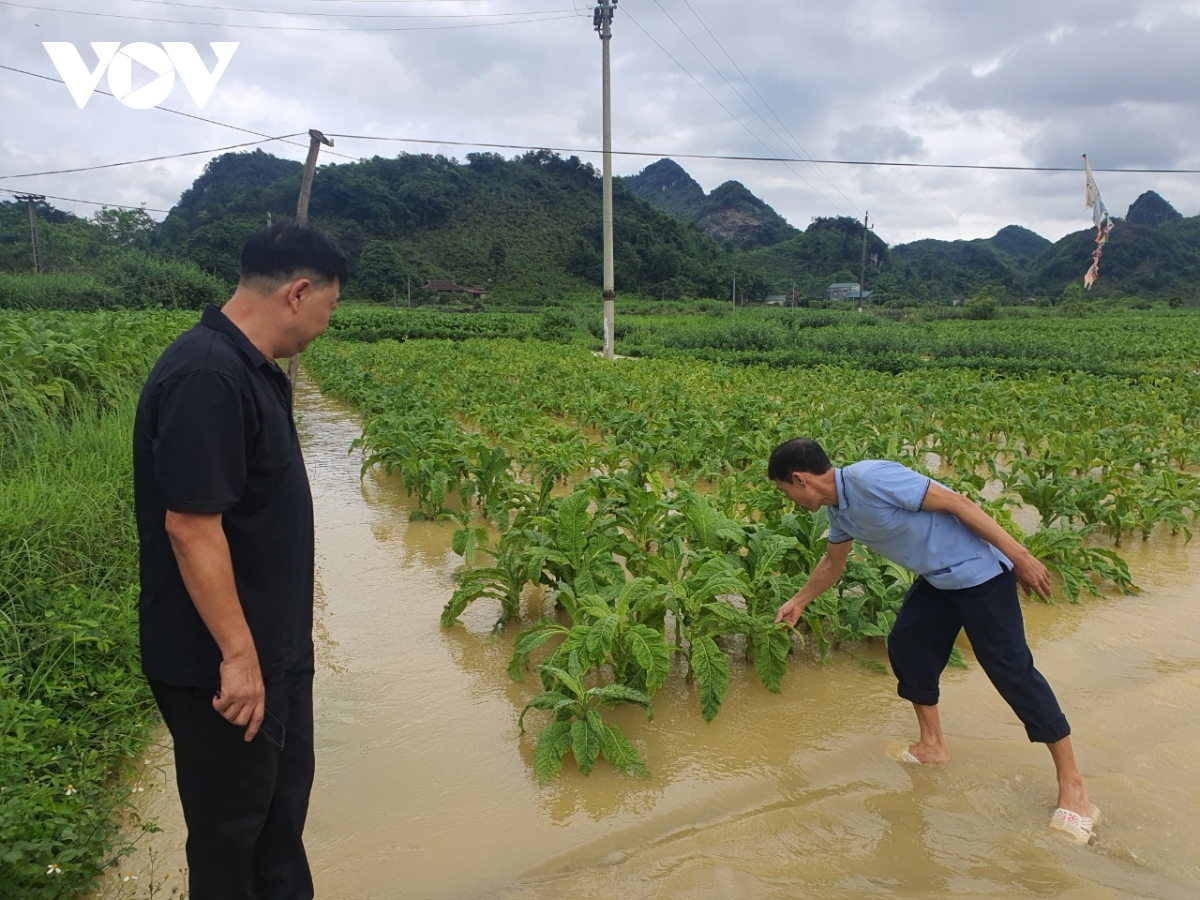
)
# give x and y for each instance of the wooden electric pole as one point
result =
(315, 140)
(862, 278)
(30, 200)
(602, 22)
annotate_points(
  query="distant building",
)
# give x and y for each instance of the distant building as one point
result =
(443, 286)
(846, 290)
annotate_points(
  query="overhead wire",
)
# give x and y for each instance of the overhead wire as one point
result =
(134, 162)
(186, 115)
(743, 158)
(381, 29)
(795, 141)
(717, 100)
(750, 106)
(86, 202)
(341, 15)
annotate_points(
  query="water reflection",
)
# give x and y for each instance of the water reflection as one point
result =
(425, 786)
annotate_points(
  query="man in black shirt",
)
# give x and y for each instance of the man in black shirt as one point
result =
(225, 522)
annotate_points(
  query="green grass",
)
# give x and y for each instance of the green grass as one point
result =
(74, 708)
(73, 705)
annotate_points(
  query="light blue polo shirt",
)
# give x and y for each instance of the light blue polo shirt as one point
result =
(879, 503)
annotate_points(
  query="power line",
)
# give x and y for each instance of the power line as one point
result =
(749, 106)
(339, 15)
(634, 153)
(179, 112)
(776, 159)
(795, 141)
(722, 105)
(134, 162)
(361, 2)
(386, 28)
(89, 202)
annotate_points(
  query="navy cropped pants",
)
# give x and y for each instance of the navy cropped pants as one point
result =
(923, 636)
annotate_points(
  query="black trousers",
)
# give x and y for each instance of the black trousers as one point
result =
(923, 636)
(244, 803)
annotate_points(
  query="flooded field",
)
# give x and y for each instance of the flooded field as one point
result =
(425, 790)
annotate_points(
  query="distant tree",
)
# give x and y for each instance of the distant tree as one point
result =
(985, 304)
(125, 227)
(380, 271)
(496, 257)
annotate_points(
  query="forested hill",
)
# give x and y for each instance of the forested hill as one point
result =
(1138, 260)
(528, 228)
(731, 214)
(1154, 252)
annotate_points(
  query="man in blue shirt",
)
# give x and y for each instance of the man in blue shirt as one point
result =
(967, 568)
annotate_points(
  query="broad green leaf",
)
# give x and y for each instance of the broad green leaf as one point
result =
(573, 520)
(552, 745)
(770, 553)
(547, 700)
(619, 693)
(455, 607)
(575, 665)
(737, 620)
(528, 641)
(716, 575)
(770, 648)
(600, 638)
(585, 740)
(712, 672)
(620, 753)
(567, 680)
(651, 652)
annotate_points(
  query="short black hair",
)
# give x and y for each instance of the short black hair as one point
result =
(289, 250)
(797, 455)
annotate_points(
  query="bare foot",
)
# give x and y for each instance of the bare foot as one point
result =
(930, 754)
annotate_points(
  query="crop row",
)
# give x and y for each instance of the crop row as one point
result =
(1130, 344)
(670, 541)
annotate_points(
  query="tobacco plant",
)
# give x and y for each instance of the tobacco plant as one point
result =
(669, 546)
(577, 726)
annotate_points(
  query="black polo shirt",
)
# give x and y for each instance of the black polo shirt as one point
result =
(214, 433)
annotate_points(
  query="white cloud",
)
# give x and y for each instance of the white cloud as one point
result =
(1026, 82)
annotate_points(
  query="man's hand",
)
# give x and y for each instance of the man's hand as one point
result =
(1032, 575)
(823, 576)
(242, 698)
(790, 612)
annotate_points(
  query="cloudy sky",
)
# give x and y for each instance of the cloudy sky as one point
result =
(1020, 83)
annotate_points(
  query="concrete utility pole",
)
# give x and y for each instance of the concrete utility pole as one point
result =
(602, 21)
(734, 292)
(30, 200)
(315, 140)
(862, 278)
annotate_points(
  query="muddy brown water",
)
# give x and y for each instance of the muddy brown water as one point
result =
(425, 790)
